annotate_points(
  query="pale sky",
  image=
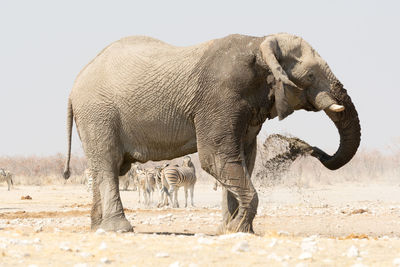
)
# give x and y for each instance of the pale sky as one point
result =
(44, 44)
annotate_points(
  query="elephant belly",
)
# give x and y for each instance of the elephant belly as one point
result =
(153, 140)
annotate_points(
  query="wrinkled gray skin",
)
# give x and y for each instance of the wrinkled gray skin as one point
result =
(141, 99)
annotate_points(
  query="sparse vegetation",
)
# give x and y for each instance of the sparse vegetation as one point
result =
(302, 170)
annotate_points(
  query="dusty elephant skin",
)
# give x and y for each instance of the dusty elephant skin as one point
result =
(141, 99)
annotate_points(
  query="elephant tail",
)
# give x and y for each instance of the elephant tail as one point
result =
(70, 117)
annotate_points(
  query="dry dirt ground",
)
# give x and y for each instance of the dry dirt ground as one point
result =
(335, 225)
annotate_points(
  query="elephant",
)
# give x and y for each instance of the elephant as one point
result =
(142, 99)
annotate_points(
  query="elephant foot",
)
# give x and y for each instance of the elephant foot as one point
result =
(116, 224)
(242, 224)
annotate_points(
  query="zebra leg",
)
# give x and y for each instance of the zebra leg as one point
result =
(146, 197)
(176, 204)
(191, 194)
(9, 183)
(172, 196)
(139, 193)
(186, 195)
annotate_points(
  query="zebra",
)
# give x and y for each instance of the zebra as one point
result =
(162, 199)
(6, 176)
(176, 177)
(145, 183)
(126, 180)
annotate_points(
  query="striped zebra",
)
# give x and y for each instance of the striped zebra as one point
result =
(146, 183)
(177, 177)
(6, 176)
(162, 197)
(125, 180)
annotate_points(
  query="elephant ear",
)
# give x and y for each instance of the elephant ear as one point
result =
(270, 51)
(283, 108)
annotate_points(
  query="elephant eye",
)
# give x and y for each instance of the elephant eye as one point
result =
(310, 77)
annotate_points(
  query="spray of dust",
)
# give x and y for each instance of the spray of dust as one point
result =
(277, 155)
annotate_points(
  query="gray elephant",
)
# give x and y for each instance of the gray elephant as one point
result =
(141, 99)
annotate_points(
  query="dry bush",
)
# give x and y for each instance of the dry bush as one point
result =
(292, 167)
(35, 170)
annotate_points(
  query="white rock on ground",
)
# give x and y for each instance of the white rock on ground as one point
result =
(305, 255)
(396, 262)
(85, 254)
(309, 245)
(233, 235)
(100, 231)
(359, 265)
(103, 246)
(275, 257)
(65, 247)
(273, 242)
(175, 264)
(162, 255)
(352, 252)
(205, 241)
(242, 246)
(105, 260)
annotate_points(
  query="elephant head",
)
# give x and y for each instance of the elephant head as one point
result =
(303, 80)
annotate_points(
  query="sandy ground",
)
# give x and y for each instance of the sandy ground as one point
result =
(336, 225)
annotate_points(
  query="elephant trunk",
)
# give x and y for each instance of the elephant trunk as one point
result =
(348, 125)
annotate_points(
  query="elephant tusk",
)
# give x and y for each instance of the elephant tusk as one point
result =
(336, 108)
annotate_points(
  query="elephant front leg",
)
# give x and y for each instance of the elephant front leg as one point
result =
(240, 200)
(229, 204)
(113, 216)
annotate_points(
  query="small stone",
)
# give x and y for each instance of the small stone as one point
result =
(305, 255)
(352, 252)
(175, 264)
(103, 246)
(283, 233)
(242, 246)
(205, 241)
(65, 247)
(162, 255)
(359, 265)
(100, 232)
(85, 254)
(396, 262)
(233, 235)
(275, 257)
(105, 260)
(273, 242)
(309, 246)
(38, 229)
